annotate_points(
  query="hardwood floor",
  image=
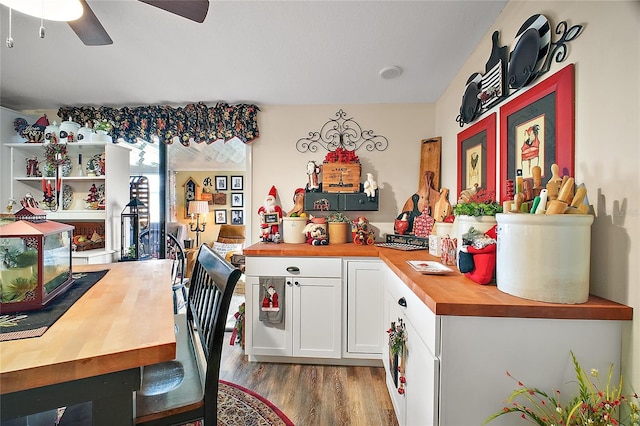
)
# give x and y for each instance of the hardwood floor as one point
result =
(314, 395)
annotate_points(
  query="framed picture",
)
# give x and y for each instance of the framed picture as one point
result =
(271, 218)
(537, 129)
(237, 183)
(477, 155)
(220, 216)
(221, 183)
(237, 199)
(220, 198)
(237, 217)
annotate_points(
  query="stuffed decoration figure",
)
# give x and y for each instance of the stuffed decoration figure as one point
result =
(313, 170)
(361, 233)
(269, 229)
(298, 202)
(316, 234)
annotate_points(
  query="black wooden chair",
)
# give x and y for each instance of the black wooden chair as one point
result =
(179, 283)
(186, 389)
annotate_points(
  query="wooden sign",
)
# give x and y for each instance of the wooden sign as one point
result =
(341, 177)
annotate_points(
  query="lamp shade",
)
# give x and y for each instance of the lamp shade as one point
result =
(198, 207)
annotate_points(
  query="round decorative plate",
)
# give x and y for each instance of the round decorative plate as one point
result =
(95, 165)
(49, 169)
(470, 102)
(529, 52)
(67, 197)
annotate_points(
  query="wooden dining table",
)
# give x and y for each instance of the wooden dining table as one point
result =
(95, 350)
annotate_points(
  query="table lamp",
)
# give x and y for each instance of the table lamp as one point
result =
(197, 208)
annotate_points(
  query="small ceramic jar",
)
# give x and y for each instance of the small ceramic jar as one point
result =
(68, 131)
(85, 134)
(52, 130)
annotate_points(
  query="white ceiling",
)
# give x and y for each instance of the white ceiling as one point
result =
(263, 52)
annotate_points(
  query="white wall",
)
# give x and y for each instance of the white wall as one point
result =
(277, 162)
(607, 136)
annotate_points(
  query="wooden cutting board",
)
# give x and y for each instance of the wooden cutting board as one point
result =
(430, 159)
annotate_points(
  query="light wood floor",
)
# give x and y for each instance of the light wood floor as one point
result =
(314, 395)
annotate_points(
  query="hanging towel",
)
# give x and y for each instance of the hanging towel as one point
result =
(271, 299)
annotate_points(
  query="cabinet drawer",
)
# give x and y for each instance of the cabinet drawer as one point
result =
(321, 201)
(330, 267)
(359, 201)
(422, 318)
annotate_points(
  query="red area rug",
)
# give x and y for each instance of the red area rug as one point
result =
(240, 406)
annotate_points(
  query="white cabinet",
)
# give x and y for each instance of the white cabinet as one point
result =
(364, 292)
(452, 358)
(312, 308)
(420, 367)
(76, 186)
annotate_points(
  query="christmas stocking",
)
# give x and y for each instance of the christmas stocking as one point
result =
(484, 260)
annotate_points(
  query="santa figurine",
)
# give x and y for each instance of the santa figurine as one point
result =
(270, 216)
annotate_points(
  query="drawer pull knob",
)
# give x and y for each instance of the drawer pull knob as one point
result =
(402, 302)
(289, 283)
(293, 269)
(297, 283)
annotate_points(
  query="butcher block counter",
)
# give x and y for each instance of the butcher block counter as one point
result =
(452, 294)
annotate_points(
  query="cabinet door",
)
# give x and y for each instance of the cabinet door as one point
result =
(421, 372)
(316, 317)
(365, 327)
(264, 338)
(392, 313)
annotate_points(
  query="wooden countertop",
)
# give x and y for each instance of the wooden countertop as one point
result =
(124, 321)
(453, 294)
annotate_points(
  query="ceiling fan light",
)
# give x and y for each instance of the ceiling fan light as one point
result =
(51, 10)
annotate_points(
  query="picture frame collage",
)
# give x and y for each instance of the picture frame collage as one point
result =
(536, 128)
(223, 191)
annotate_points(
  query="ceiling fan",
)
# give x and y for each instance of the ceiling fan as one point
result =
(92, 33)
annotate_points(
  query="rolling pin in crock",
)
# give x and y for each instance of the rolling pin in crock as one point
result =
(536, 171)
(577, 204)
(518, 199)
(542, 205)
(553, 185)
(559, 206)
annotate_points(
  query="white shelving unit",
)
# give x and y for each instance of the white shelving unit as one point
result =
(115, 181)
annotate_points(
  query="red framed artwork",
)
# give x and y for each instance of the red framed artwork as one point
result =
(477, 156)
(537, 129)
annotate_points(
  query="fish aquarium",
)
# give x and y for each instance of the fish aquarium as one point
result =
(35, 261)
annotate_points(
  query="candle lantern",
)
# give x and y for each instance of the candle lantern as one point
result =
(132, 223)
(35, 256)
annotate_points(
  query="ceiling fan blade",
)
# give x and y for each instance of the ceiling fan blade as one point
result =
(89, 29)
(195, 10)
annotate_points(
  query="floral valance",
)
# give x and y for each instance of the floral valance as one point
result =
(193, 122)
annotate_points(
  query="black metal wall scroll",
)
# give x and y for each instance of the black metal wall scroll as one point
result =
(531, 56)
(342, 132)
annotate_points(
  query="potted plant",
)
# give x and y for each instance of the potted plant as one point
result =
(103, 129)
(594, 404)
(339, 226)
(477, 209)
